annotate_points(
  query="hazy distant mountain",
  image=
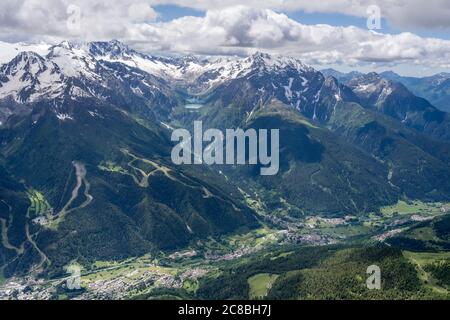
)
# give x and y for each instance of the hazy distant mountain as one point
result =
(435, 89)
(395, 100)
(341, 76)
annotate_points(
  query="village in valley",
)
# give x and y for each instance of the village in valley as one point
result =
(140, 276)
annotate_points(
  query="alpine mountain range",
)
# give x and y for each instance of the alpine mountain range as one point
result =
(85, 144)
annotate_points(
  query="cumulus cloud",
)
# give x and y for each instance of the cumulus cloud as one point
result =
(401, 13)
(97, 19)
(107, 17)
(242, 29)
(229, 30)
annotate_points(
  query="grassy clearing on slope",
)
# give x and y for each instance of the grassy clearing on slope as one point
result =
(112, 167)
(2, 277)
(282, 255)
(257, 237)
(413, 207)
(423, 259)
(261, 284)
(38, 204)
(131, 268)
(191, 285)
(423, 234)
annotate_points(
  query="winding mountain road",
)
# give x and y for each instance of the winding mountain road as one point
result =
(5, 226)
(144, 183)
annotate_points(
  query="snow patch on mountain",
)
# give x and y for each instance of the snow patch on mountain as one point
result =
(29, 77)
(75, 61)
(288, 91)
(372, 86)
(64, 116)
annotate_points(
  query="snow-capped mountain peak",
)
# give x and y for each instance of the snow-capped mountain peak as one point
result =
(87, 61)
(371, 84)
(440, 78)
(73, 60)
(29, 62)
(99, 67)
(374, 91)
(113, 49)
(276, 62)
(29, 77)
(116, 51)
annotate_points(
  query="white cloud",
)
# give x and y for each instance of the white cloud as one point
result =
(100, 19)
(232, 30)
(402, 13)
(242, 29)
(141, 12)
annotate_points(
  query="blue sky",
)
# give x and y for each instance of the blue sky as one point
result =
(170, 12)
